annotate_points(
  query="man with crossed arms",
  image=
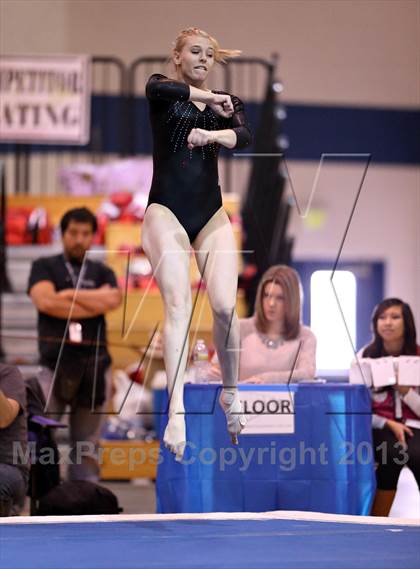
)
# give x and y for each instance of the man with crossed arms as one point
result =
(72, 293)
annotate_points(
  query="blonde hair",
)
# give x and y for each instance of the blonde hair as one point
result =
(289, 281)
(220, 55)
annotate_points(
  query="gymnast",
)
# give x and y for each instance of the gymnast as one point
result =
(189, 124)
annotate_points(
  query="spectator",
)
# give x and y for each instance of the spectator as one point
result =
(13, 441)
(72, 293)
(396, 409)
(275, 346)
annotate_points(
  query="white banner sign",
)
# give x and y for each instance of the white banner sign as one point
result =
(45, 99)
(268, 412)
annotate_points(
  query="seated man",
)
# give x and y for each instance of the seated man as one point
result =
(13, 441)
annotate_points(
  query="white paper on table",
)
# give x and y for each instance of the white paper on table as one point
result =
(268, 412)
(409, 370)
(360, 372)
(383, 373)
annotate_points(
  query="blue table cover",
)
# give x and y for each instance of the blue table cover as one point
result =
(337, 476)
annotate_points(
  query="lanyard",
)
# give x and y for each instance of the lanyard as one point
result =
(74, 278)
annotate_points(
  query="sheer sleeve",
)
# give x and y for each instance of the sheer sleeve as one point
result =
(160, 88)
(239, 124)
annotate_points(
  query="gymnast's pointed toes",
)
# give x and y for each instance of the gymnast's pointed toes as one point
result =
(179, 451)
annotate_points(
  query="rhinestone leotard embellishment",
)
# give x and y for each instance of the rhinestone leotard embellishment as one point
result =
(203, 154)
(197, 116)
(180, 108)
(182, 129)
(182, 137)
(172, 111)
(181, 114)
(214, 126)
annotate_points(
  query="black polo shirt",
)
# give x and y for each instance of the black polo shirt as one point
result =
(52, 330)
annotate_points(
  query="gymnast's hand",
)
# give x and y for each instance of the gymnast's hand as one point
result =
(222, 105)
(200, 137)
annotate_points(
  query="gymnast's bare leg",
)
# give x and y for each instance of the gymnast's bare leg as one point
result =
(167, 247)
(217, 260)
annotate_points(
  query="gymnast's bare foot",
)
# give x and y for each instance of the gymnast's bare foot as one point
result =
(231, 405)
(174, 438)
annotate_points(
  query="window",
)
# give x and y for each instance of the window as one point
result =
(333, 318)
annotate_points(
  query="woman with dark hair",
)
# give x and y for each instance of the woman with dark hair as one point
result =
(275, 346)
(387, 333)
(396, 409)
(190, 123)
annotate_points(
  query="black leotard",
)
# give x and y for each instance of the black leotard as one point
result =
(187, 181)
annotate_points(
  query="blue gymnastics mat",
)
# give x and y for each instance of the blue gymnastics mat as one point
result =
(209, 544)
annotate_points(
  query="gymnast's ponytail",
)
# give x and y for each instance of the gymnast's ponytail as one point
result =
(220, 55)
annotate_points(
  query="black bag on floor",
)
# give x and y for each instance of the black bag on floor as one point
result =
(78, 498)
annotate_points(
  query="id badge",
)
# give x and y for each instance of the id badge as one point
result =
(75, 332)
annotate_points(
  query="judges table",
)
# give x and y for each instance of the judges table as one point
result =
(306, 447)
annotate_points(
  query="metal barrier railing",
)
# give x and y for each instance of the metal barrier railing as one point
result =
(32, 168)
(4, 281)
(120, 124)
